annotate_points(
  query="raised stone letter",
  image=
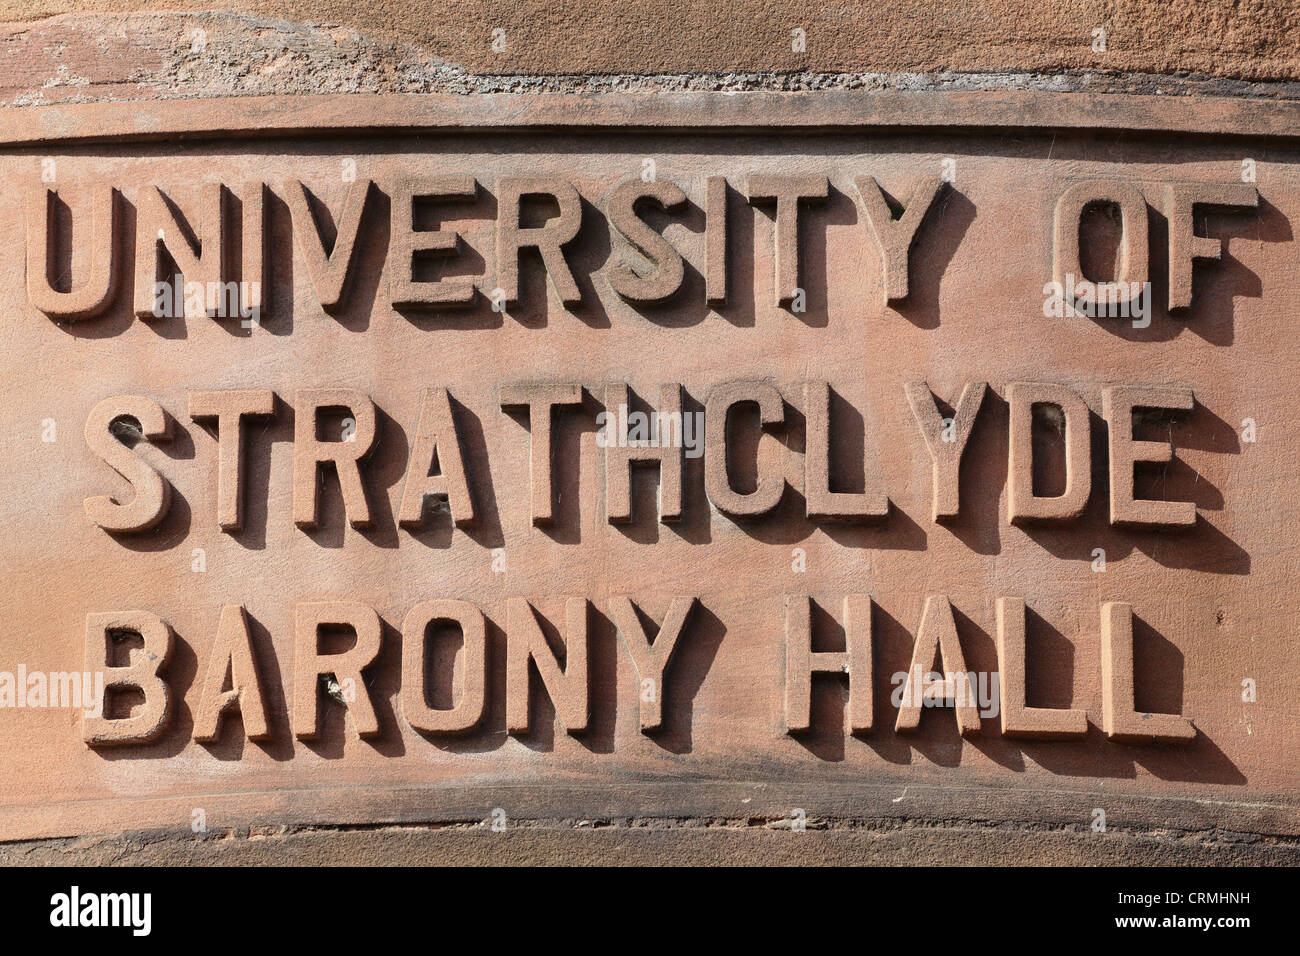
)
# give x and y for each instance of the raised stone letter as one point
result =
(936, 640)
(715, 237)
(310, 452)
(141, 673)
(787, 191)
(822, 503)
(1185, 246)
(164, 235)
(717, 477)
(549, 239)
(1022, 504)
(468, 710)
(565, 683)
(233, 656)
(667, 271)
(541, 399)
(436, 438)
(251, 293)
(895, 237)
(650, 660)
(95, 294)
(405, 242)
(945, 440)
(659, 446)
(347, 686)
(1118, 402)
(153, 493)
(1067, 270)
(230, 408)
(801, 662)
(330, 268)
(161, 234)
(1118, 718)
(1018, 718)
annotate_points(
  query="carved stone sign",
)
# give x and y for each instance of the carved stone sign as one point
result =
(389, 459)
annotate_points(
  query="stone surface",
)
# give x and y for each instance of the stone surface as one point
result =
(261, 49)
(1220, 38)
(1144, 670)
(659, 843)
